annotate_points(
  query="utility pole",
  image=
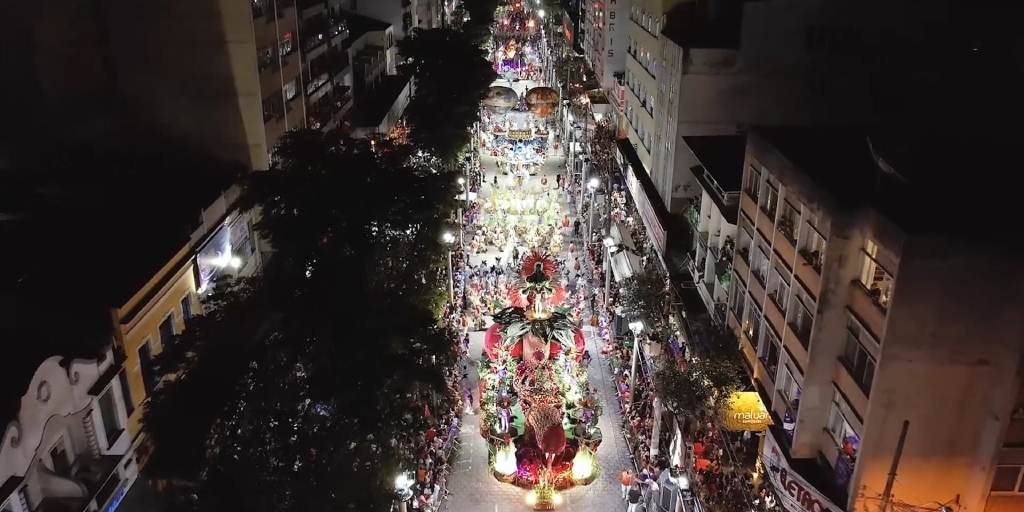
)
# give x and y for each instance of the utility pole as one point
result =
(887, 493)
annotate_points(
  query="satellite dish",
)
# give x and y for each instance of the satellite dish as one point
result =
(883, 165)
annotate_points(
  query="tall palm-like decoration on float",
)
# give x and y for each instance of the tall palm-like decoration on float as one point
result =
(540, 412)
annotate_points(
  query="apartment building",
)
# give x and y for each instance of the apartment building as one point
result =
(605, 39)
(64, 444)
(713, 215)
(403, 15)
(858, 310)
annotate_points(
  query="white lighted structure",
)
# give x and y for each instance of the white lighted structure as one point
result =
(68, 449)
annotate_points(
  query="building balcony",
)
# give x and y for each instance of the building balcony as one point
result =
(808, 271)
(784, 248)
(866, 309)
(329, 107)
(748, 206)
(794, 343)
(757, 291)
(741, 265)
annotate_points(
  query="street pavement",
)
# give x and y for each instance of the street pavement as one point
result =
(472, 487)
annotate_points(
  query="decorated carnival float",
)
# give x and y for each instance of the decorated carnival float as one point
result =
(540, 413)
(515, 129)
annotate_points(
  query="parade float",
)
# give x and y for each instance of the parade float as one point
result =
(540, 413)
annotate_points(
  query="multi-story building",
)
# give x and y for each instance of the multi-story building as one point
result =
(314, 60)
(830, 223)
(400, 14)
(431, 14)
(224, 243)
(713, 215)
(64, 444)
(605, 37)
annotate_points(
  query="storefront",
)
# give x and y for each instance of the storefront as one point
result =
(793, 492)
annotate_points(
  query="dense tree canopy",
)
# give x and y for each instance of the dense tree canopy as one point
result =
(452, 76)
(481, 19)
(302, 389)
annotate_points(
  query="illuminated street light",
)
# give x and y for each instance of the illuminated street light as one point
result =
(462, 181)
(594, 183)
(541, 13)
(448, 238)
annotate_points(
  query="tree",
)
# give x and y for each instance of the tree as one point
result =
(481, 19)
(452, 76)
(645, 295)
(312, 379)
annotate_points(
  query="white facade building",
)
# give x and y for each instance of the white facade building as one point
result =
(713, 68)
(403, 15)
(605, 39)
(68, 449)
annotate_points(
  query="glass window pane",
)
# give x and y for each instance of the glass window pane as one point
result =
(1006, 479)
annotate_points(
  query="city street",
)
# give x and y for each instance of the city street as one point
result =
(471, 486)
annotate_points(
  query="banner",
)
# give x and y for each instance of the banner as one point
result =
(792, 491)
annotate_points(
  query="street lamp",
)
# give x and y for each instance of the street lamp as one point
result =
(592, 187)
(637, 327)
(448, 239)
(403, 490)
(463, 210)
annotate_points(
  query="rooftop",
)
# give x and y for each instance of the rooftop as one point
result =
(80, 241)
(359, 26)
(711, 25)
(721, 157)
(924, 183)
(372, 110)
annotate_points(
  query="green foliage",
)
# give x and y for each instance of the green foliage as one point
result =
(303, 389)
(709, 378)
(481, 19)
(452, 76)
(645, 295)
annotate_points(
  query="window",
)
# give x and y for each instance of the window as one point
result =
(752, 183)
(738, 299)
(874, 278)
(790, 389)
(186, 306)
(1008, 479)
(746, 239)
(149, 378)
(273, 107)
(800, 319)
(856, 358)
(839, 428)
(108, 413)
(769, 351)
(759, 265)
(813, 248)
(770, 201)
(59, 459)
(286, 45)
(166, 331)
(778, 288)
(291, 89)
(788, 221)
(752, 322)
(126, 392)
(265, 58)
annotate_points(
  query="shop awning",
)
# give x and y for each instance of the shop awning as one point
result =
(623, 262)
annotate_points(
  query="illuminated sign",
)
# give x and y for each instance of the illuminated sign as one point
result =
(745, 411)
(116, 500)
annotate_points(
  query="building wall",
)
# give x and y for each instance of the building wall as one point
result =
(391, 11)
(188, 68)
(137, 323)
(942, 357)
(58, 410)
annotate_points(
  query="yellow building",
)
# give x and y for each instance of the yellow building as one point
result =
(223, 243)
